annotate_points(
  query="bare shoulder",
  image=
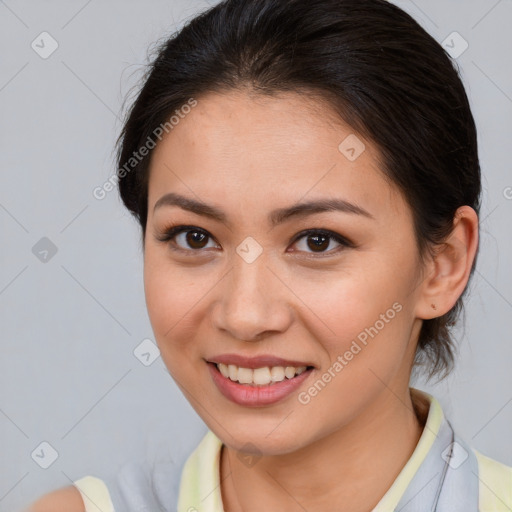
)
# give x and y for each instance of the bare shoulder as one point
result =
(66, 499)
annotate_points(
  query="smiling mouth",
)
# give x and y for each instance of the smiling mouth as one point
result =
(264, 376)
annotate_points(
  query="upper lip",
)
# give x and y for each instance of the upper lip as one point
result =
(256, 361)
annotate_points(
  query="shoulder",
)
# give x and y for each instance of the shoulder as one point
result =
(495, 485)
(66, 499)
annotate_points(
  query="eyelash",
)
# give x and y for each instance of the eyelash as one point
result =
(171, 232)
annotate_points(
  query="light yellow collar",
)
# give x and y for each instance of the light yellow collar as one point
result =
(200, 478)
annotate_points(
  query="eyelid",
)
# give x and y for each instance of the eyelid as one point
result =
(326, 232)
(169, 233)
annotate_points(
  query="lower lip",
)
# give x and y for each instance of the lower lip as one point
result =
(256, 396)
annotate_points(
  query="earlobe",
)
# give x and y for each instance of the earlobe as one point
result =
(449, 268)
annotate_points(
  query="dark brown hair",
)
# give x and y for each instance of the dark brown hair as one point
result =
(381, 72)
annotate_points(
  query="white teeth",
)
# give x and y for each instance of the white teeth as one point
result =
(289, 372)
(233, 372)
(224, 370)
(259, 376)
(277, 373)
(245, 375)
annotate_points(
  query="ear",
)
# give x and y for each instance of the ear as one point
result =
(447, 273)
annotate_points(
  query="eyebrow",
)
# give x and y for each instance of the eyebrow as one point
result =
(276, 217)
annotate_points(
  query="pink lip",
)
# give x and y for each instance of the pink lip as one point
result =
(256, 396)
(255, 362)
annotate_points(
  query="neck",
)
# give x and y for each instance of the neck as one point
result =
(350, 469)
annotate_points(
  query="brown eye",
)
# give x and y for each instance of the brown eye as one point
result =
(195, 239)
(318, 241)
(191, 239)
(186, 238)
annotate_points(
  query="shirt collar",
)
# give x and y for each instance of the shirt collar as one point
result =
(200, 478)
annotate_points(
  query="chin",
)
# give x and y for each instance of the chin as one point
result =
(261, 438)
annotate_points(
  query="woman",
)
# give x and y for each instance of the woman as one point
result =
(307, 182)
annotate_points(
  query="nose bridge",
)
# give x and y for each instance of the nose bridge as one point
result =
(252, 302)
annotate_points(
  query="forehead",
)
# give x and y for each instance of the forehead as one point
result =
(260, 150)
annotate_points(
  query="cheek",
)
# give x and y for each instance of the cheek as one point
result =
(369, 320)
(168, 300)
(175, 298)
(368, 347)
(349, 305)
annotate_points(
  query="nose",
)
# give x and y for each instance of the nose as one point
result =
(253, 302)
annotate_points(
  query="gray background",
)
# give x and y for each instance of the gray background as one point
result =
(70, 324)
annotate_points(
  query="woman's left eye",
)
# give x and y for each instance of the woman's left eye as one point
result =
(318, 240)
(192, 239)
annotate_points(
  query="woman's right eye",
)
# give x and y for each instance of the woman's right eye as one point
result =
(185, 238)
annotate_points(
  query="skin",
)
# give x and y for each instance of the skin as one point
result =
(67, 499)
(248, 155)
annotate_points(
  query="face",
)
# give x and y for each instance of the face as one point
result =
(254, 275)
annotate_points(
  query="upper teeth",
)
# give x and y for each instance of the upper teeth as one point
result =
(259, 376)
